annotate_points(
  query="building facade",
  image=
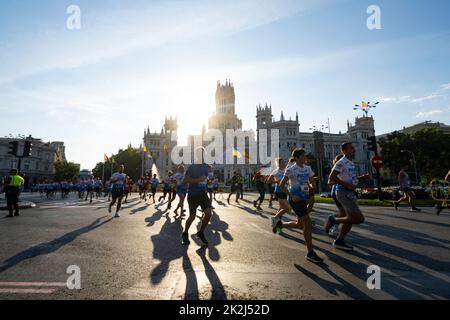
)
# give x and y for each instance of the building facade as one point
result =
(36, 168)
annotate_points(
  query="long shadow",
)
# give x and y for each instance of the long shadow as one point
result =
(333, 288)
(437, 224)
(191, 290)
(136, 210)
(166, 248)
(51, 246)
(420, 279)
(155, 217)
(217, 289)
(216, 230)
(407, 235)
(251, 211)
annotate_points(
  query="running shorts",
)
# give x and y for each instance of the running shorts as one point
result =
(270, 189)
(181, 190)
(215, 189)
(153, 189)
(348, 201)
(300, 207)
(281, 195)
(406, 189)
(198, 200)
(210, 190)
(117, 193)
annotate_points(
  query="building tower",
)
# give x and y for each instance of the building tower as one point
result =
(225, 115)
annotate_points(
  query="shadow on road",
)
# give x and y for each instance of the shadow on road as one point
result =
(167, 248)
(52, 246)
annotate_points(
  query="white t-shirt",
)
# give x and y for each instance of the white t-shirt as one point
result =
(279, 175)
(178, 177)
(118, 179)
(299, 180)
(347, 173)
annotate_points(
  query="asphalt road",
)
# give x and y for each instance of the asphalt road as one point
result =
(140, 256)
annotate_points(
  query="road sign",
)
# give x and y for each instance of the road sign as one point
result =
(377, 162)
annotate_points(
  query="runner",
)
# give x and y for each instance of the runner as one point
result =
(195, 177)
(146, 186)
(167, 188)
(241, 185)
(118, 186)
(154, 186)
(271, 191)
(299, 175)
(89, 188)
(98, 186)
(261, 187)
(439, 206)
(344, 176)
(276, 177)
(141, 187)
(173, 190)
(181, 189)
(234, 187)
(334, 231)
(215, 187)
(408, 194)
(127, 188)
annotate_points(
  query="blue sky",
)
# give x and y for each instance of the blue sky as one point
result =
(134, 62)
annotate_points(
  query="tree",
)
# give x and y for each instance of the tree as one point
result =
(430, 146)
(130, 158)
(68, 171)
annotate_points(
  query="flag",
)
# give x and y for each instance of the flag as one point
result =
(236, 154)
(145, 148)
(364, 104)
(105, 158)
(149, 155)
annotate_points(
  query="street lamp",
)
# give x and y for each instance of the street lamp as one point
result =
(414, 160)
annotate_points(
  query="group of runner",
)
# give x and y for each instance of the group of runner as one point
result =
(293, 181)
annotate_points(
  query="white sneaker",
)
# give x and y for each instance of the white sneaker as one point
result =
(117, 215)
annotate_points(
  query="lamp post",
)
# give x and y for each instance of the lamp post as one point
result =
(414, 160)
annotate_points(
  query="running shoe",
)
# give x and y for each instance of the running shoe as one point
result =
(277, 227)
(254, 204)
(313, 257)
(341, 245)
(439, 208)
(109, 209)
(259, 209)
(202, 238)
(117, 215)
(185, 239)
(330, 222)
(415, 209)
(396, 205)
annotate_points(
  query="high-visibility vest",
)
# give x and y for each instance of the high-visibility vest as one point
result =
(16, 181)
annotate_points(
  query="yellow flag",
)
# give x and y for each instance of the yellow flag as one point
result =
(149, 155)
(236, 154)
(145, 148)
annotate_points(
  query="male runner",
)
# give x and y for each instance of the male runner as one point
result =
(234, 187)
(154, 186)
(334, 231)
(344, 176)
(195, 177)
(98, 186)
(261, 187)
(299, 175)
(89, 188)
(167, 186)
(215, 187)
(181, 189)
(408, 194)
(118, 186)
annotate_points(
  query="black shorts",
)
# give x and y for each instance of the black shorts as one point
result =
(300, 207)
(199, 200)
(117, 193)
(153, 190)
(270, 189)
(336, 201)
(281, 195)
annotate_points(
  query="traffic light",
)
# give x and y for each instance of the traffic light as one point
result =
(27, 149)
(13, 147)
(372, 144)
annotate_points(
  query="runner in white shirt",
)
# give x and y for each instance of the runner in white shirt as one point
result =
(118, 186)
(275, 177)
(344, 176)
(299, 176)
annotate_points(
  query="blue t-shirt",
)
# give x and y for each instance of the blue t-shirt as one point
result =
(196, 171)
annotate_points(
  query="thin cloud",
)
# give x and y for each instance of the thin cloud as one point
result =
(428, 114)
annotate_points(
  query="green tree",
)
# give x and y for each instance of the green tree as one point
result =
(431, 148)
(66, 171)
(130, 158)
